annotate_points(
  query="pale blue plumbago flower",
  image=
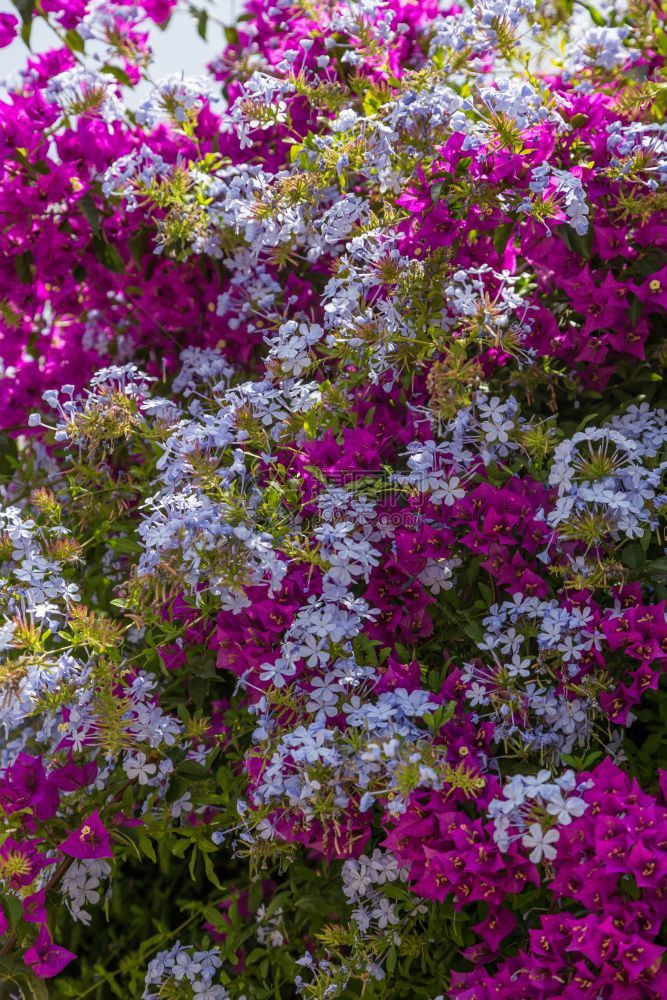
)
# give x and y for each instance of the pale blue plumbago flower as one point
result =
(602, 469)
(79, 91)
(81, 885)
(541, 841)
(530, 806)
(183, 964)
(600, 46)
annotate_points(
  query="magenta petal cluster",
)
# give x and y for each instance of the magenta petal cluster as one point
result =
(333, 482)
(91, 840)
(46, 958)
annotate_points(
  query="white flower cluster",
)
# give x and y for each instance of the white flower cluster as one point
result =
(420, 112)
(130, 175)
(352, 301)
(512, 683)
(640, 148)
(176, 99)
(213, 540)
(33, 594)
(344, 540)
(382, 734)
(430, 465)
(144, 722)
(531, 809)
(608, 472)
(106, 385)
(269, 926)
(193, 970)
(362, 879)
(518, 101)
(81, 884)
(80, 91)
(485, 431)
(599, 46)
(487, 299)
(202, 368)
(290, 347)
(566, 188)
(260, 105)
(475, 30)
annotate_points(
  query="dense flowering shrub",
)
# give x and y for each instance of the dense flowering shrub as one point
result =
(333, 571)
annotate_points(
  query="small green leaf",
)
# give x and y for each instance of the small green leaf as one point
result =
(108, 255)
(34, 989)
(596, 16)
(210, 871)
(193, 771)
(25, 9)
(436, 192)
(89, 210)
(23, 265)
(474, 631)
(633, 556)
(117, 73)
(581, 245)
(501, 237)
(74, 41)
(656, 569)
(13, 909)
(146, 847)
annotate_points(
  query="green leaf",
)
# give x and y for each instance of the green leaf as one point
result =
(34, 989)
(89, 211)
(596, 16)
(193, 771)
(13, 909)
(210, 872)
(633, 556)
(434, 720)
(146, 847)
(108, 255)
(501, 237)
(117, 73)
(656, 569)
(202, 23)
(645, 540)
(23, 265)
(474, 631)
(636, 309)
(25, 9)
(179, 849)
(139, 245)
(8, 454)
(581, 245)
(74, 41)
(199, 689)
(127, 546)
(439, 58)
(32, 166)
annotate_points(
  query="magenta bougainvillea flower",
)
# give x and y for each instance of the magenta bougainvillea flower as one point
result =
(90, 840)
(46, 958)
(8, 29)
(333, 477)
